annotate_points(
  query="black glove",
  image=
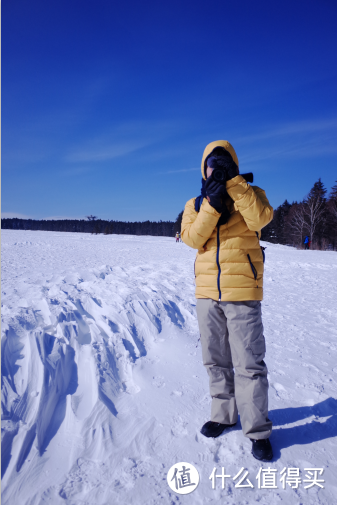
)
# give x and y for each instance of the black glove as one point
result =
(216, 193)
(225, 164)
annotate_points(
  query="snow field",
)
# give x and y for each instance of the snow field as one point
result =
(103, 387)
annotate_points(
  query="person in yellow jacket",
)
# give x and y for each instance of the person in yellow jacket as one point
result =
(224, 224)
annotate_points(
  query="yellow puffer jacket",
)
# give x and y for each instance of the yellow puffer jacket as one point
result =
(229, 262)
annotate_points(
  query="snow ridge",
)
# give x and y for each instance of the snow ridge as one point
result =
(103, 387)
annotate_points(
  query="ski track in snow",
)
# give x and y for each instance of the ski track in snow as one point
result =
(103, 387)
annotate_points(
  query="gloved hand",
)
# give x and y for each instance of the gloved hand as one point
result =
(216, 193)
(232, 170)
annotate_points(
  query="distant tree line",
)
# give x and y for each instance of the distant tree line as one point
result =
(92, 225)
(315, 216)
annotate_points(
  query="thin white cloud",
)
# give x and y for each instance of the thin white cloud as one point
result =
(295, 128)
(122, 140)
(105, 153)
(306, 150)
(178, 171)
(297, 140)
(164, 153)
(10, 215)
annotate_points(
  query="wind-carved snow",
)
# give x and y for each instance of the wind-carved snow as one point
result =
(103, 387)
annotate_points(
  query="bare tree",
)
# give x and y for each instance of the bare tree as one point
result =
(297, 222)
(91, 217)
(315, 209)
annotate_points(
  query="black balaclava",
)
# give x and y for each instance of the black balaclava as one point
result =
(220, 158)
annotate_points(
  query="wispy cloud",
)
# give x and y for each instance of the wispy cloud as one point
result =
(298, 139)
(122, 140)
(9, 215)
(294, 152)
(165, 152)
(104, 153)
(178, 171)
(294, 128)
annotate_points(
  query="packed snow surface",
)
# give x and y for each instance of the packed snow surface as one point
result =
(103, 387)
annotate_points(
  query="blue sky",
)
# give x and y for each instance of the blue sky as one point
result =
(107, 106)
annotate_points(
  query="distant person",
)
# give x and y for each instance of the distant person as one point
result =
(177, 236)
(224, 224)
(309, 244)
(306, 242)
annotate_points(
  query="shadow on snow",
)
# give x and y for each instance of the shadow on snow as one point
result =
(313, 431)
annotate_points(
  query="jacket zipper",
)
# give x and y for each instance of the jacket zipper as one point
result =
(253, 270)
(217, 261)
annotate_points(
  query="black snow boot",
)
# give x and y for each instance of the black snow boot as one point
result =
(262, 450)
(211, 429)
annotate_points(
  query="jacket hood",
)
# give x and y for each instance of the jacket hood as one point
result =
(217, 143)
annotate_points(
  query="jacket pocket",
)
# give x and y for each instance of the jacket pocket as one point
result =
(253, 269)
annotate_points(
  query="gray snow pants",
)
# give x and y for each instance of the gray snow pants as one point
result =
(231, 335)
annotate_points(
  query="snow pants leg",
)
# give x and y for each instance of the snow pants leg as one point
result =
(231, 335)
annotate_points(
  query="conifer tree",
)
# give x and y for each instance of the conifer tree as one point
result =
(296, 224)
(279, 223)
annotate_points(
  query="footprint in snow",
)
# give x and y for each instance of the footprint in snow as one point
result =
(179, 428)
(158, 381)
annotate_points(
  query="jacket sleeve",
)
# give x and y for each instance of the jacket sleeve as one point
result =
(197, 227)
(251, 202)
